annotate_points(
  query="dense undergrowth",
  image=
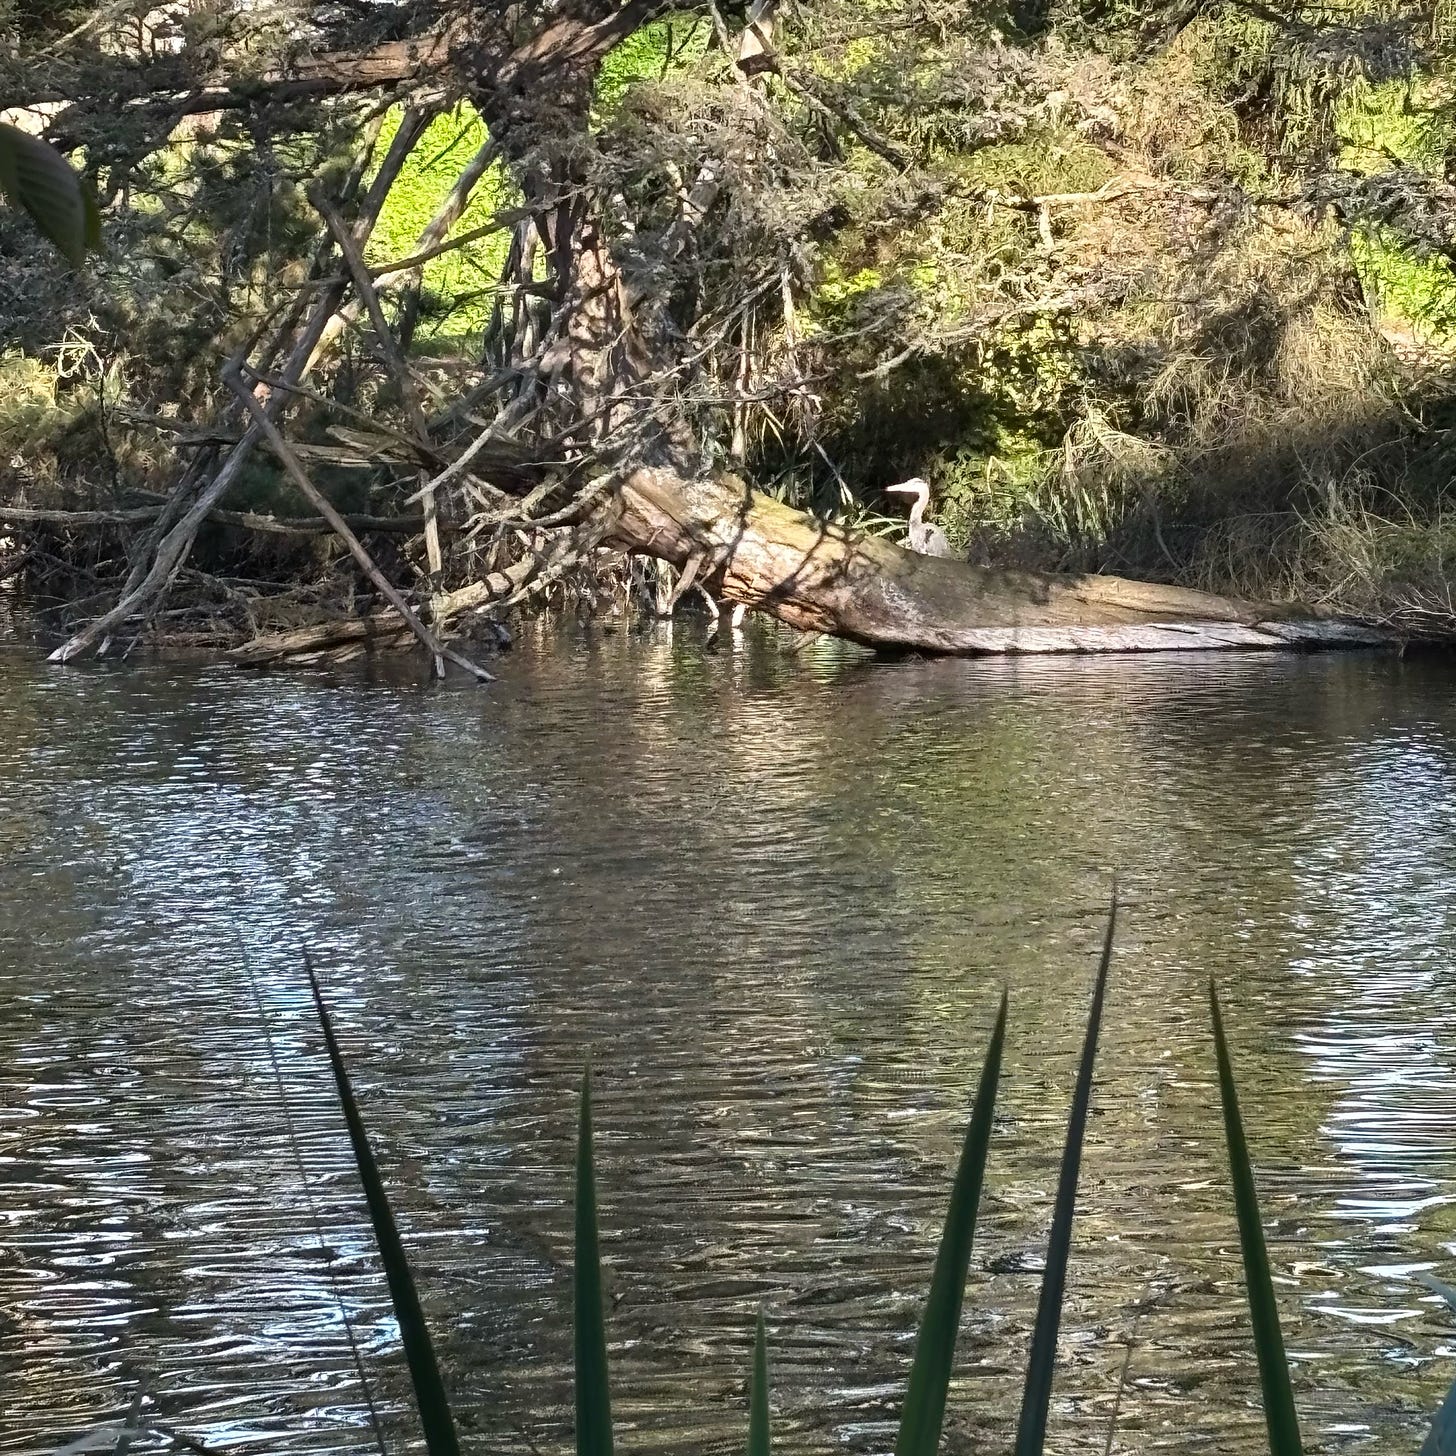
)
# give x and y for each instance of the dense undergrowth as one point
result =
(1163, 299)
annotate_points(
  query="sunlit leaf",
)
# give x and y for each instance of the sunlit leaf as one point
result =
(1041, 1366)
(920, 1422)
(1263, 1313)
(435, 1416)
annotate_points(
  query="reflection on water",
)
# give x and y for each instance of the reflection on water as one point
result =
(774, 896)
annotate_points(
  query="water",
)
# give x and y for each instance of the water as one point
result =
(775, 897)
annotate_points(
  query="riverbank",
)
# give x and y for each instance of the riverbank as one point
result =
(815, 576)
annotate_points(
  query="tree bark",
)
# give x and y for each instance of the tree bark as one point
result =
(819, 577)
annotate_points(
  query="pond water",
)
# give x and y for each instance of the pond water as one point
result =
(774, 895)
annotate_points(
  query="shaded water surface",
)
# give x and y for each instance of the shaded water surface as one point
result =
(774, 896)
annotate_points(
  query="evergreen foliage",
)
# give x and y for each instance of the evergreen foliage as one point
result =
(1164, 290)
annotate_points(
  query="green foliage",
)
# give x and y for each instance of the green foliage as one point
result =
(1417, 290)
(457, 286)
(32, 413)
(1045, 158)
(1402, 123)
(1279, 88)
(924, 1410)
(593, 1395)
(1403, 120)
(1036, 1398)
(835, 292)
(671, 43)
(434, 1407)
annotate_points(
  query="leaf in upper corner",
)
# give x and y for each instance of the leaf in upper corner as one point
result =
(38, 179)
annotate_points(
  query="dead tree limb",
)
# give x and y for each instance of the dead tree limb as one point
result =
(242, 520)
(396, 363)
(148, 582)
(439, 651)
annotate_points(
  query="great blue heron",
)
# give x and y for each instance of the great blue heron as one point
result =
(927, 540)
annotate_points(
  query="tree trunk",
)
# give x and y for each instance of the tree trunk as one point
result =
(821, 578)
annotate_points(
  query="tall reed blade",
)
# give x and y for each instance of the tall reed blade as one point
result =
(435, 1417)
(593, 1399)
(1263, 1313)
(924, 1411)
(1041, 1367)
(758, 1438)
(1442, 1438)
(1436, 1286)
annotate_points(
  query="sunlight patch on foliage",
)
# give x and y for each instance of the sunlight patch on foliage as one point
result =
(458, 285)
(1400, 123)
(673, 43)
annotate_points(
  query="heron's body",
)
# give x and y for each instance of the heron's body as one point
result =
(922, 537)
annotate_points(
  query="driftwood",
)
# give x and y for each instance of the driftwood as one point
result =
(386, 630)
(382, 630)
(819, 577)
(243, 520)
(323, 639)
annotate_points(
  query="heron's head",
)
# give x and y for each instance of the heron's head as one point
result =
(915, 486)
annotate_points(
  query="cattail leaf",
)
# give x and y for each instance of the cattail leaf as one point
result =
(924, 1412)
(1436, 1286)
(1442, 1438)
(37, 178)
(435, 1416)
(1263, 1313)
(1041, 1366)
(758, 1429)
(593, 1396)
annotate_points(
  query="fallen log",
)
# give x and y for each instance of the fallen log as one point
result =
(383, 629)
(821, 577)
(244, 520)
